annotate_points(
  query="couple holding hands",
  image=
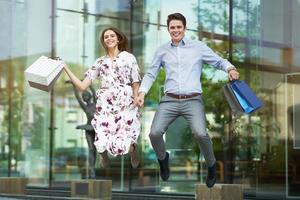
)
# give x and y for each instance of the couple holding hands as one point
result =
(116, 119)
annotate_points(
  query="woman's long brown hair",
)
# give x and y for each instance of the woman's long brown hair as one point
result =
(123, 41)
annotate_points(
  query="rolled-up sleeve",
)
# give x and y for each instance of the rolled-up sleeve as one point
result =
(213, 59)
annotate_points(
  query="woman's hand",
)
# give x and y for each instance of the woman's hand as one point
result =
(136, 101)
(140, 99)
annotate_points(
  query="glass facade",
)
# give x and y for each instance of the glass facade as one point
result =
(38, 134)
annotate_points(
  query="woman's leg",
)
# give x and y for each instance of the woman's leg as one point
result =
(134, 156)
(104, 160)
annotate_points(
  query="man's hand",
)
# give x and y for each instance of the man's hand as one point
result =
(139, 100)
(233, 74)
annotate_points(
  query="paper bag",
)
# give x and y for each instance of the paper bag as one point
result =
(244, 92)
(234, 104)
(241, 98)
(43, 73)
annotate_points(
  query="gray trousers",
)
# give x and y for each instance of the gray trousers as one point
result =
(192, 110)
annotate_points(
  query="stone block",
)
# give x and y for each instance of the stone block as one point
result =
(13, 185)
(92, 189)
(219, 192)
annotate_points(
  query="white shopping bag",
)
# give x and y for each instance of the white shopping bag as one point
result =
(43, 73)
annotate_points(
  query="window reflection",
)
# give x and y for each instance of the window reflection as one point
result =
(257, 151)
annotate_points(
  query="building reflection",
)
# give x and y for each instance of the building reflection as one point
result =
(259, 151)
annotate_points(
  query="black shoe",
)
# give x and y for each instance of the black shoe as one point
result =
(164, 168)
(211, 176)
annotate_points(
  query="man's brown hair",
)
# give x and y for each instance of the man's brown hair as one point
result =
(176, 16)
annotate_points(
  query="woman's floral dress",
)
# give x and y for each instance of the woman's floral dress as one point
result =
(116, 120)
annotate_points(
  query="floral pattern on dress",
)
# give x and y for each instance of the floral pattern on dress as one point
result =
(116, 120)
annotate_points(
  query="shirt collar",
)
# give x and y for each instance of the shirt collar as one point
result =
(181, 43)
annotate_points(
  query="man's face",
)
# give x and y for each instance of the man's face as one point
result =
(176, 30)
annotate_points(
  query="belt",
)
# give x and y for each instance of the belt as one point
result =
(176, 96)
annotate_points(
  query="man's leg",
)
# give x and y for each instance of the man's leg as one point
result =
(166, 113)
(193, 111)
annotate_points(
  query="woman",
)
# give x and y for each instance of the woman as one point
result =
(116, 120)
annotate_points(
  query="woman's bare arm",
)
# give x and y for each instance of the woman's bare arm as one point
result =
(80, 85)
(135, 89)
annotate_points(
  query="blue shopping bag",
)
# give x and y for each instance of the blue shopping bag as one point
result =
(233, 102)
(245, 96)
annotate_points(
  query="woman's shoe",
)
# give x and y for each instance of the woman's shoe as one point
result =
(104, 160)
(134, 156)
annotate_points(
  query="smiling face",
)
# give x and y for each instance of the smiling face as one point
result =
(110, 39)
(176, 30)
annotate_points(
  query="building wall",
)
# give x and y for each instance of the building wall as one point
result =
(38, 129)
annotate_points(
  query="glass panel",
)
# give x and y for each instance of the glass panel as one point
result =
(294, 50)
(35, 104)
(246, 30)
(36, 119)
(148, 176)
(296, 56)
(188, 8)
(4, 110)
(78, 46)
(247, 134)
(24, 112)
(262, 34)
(213, 17)
(115, 8)
(152, 11)
(76, 5)
(5, 36)
(187, 165)
(277, 55)
(157, 11)
(259, 150)
(280, 33)
(293, 135)
(213, 20)
(151, 177)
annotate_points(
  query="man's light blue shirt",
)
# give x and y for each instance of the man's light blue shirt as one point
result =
(183, 66)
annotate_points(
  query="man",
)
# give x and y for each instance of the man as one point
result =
(182, 60)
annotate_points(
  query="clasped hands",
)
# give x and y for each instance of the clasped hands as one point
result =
(139, 99)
